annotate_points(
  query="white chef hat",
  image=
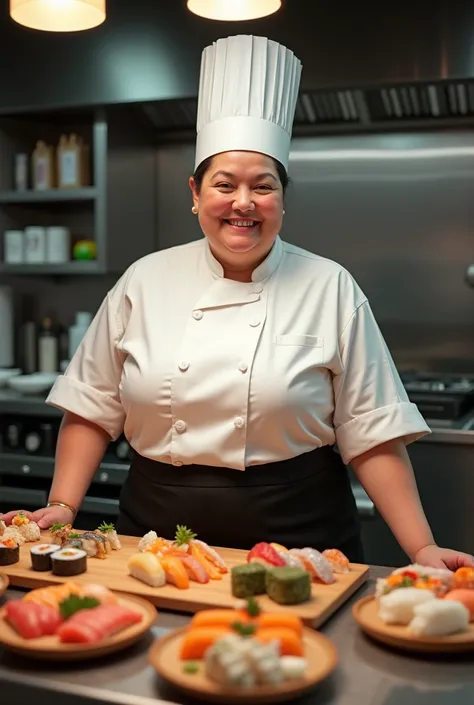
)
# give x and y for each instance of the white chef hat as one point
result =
(247, 97)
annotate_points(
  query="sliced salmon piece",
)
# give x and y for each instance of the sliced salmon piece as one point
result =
(213, 571)
(197, 641)
(218, 618)
(211, 555)
(176, 573)
(194, 569)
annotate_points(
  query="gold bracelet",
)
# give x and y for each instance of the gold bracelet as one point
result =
(65, 506)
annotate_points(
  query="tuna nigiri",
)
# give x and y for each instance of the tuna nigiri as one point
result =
(265, 554)
(92, 625)
(31, 620)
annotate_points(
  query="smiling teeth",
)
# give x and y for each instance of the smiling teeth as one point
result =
(243, 223)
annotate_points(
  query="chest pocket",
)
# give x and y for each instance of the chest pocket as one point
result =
(305, 341)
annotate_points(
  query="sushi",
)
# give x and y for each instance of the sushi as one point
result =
(89, 626)
(9, 551)
(99, 593)
(288, 586)
(398, 606)
(41, 556)
(28, 529)
(439, 618)
(60, 533)
(69, 561)
(53, 595)
(466, 597)
(340, 563)
(95, 545)
(266, 555)
(175, 571)
(248, 580)
(31, 620)
(109, 533)
(147, 568)
(194, 569)
(13, 532)
(236, 661)
(147, 540)
(316, 564)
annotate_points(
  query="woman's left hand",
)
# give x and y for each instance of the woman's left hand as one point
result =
(437, 557)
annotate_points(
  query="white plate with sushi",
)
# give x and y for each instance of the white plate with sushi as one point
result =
(424, 625)
(44, 628)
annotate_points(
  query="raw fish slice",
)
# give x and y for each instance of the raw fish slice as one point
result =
(90, 626)
(212, 570)
(212, 555)
(218, 617)
(52, 595)
(289, 558)
(175, 571)
(340, 563)
(265, 554)
(194, 569)
(319, 567)
(30, 620)
(100, 593)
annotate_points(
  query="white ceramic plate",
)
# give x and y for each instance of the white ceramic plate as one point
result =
(33, 384)
(7, 374)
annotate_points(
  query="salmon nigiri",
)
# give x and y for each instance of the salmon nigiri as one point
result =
(212, 570)
(196, 571)
(211, 555)
(175, 571)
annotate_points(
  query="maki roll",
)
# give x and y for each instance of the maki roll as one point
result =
(41, 556)
(69, 561)
(9, 552)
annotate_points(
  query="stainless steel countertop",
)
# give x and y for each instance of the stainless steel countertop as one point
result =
(367, 674)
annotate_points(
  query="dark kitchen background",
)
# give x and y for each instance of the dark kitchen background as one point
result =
(382, 166)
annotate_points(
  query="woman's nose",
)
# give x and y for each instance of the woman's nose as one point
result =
(243, 201)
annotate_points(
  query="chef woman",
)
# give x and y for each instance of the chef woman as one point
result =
(245, 372)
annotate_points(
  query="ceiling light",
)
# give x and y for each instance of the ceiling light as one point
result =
(58, 15)
(233, 10)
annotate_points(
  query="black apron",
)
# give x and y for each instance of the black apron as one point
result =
(303, 501)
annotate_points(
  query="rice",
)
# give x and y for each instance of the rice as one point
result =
(398, 606)
(439, 618)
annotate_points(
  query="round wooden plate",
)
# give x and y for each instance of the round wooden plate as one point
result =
(164, 656)
(49, 647)
(4, 582)
(365, 612)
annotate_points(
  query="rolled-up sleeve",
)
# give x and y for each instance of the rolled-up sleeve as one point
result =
(90, 385)
(371, 403)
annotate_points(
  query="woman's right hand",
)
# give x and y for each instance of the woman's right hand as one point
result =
(44, 517)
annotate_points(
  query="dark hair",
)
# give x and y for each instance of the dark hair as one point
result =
(205, 165)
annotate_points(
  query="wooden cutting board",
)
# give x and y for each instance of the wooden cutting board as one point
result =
(112, 573)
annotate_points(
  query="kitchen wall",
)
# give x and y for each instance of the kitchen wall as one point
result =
(396, 209)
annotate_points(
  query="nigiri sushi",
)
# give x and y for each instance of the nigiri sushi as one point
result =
(99, 592)
(194, 569)
(340, 562)
(212, 555)
(110, 534)
(175, 571)
(93, 625)
(147, 568)
(316, 564)
(266, 555)
(147, 540)
(398, 606)
(439, 618)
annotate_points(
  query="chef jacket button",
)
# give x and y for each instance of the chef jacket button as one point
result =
(180, 426)
(197, 315)
(183, 365)
(177, 463)
(239, 422)
(243, 367)
(254, 323)
(257, 288)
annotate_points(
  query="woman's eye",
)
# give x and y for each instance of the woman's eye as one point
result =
(224, 185)
(264, 187)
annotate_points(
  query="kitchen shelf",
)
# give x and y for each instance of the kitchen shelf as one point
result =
(66, 268)
(50, 196)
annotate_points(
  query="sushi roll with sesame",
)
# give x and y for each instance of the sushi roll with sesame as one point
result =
(69, 561)
(41, 556)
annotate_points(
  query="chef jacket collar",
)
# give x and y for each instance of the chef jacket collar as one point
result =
(263, 271)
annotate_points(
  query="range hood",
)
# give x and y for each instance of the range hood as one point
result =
(364, 67)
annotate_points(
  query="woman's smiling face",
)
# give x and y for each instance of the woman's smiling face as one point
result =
(240, 208)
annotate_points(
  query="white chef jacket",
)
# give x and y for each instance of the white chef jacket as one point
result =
(197, 368)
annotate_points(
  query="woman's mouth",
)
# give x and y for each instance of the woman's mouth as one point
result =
(242, 224)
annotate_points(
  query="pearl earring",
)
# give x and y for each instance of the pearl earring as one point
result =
(284, 212)
(194, 210)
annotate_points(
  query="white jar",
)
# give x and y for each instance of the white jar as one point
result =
(35, 245)
(14, 246)
(58, 244)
